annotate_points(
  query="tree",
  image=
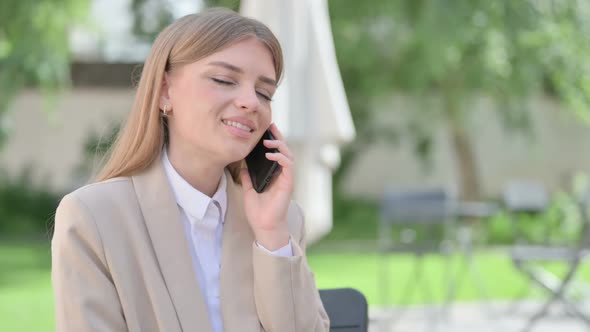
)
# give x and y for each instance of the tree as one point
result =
(231, 4)
(152, 16)
(34, 47)
(149, 18)
(455, 51)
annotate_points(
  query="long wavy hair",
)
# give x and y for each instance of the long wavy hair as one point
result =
(189, 39)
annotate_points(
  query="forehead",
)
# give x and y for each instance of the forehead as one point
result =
(250, 55)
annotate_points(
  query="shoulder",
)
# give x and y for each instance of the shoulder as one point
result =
(102, 192)
(101, 200)
(102, 196)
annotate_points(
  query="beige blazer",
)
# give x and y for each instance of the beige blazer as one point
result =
(121, 262)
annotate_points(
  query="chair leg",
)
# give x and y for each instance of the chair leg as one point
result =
(557, 293)
(416, 279)
(411, 285)
(478, 281)
(522, 294)
(428, 295)
(453, 282)
(384, 279)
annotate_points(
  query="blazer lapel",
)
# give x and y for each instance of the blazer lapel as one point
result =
(162, 219)
(236, 276)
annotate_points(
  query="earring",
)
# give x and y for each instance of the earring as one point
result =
(165, 110)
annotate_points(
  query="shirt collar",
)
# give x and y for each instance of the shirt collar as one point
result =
(194, 202)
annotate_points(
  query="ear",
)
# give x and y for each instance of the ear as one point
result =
(165, 92)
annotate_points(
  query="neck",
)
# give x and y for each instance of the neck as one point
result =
(201, 172)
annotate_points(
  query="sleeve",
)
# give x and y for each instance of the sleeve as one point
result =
(285, 293)
(85, 297)
(286, 251)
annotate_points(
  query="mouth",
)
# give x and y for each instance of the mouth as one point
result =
(238, 125)
(239, 128)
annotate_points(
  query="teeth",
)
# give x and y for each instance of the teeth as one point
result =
(237, 125)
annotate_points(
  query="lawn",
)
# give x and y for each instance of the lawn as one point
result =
(26, 302)
(26, 298)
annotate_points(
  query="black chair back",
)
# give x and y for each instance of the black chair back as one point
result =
(428, 206)
(347, 309)
(525, 196)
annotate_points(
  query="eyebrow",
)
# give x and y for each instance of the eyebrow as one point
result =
(233, 68)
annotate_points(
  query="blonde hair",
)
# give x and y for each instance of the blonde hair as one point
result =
(185, 41)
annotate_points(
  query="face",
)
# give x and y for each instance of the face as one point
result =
(221, 104)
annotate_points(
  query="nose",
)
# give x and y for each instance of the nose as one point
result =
(247, 100)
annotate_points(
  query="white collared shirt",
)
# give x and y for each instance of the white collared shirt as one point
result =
(203, 218)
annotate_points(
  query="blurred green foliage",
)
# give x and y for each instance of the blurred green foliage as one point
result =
(28, 208)
(231, 4)
(25, 208)
(34, 47)
(561, 223)
(149, 18)
(452, 52)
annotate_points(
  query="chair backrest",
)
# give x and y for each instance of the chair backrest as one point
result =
(525, 196)
(427, 206)
(528, 197)
(584, 206)
(416, 221)
(347, 309)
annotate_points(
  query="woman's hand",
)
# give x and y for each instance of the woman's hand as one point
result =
(267, 211)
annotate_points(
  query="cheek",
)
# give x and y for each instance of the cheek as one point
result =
(195, 103)
(202, 94)
(266, 118)
(189, 94)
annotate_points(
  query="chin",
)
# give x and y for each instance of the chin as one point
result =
(237, 155)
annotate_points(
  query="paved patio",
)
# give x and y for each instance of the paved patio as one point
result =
(475, 317)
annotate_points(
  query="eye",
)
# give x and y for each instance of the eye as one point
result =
(222, 82)
(267, 98)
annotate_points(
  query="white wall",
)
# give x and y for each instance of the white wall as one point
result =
(51, 140)
(559, 148)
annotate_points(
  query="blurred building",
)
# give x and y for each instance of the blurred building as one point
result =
(555, 149)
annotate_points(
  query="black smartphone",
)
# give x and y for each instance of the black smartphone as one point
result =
(261, 169)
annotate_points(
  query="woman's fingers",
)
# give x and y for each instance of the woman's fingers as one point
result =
(285, 163)
(280, 145)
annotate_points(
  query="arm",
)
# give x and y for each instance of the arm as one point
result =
(286, 297)
(85, 297)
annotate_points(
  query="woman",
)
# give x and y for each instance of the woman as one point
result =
(172, 236)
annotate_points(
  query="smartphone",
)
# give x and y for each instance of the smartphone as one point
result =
(261, 169)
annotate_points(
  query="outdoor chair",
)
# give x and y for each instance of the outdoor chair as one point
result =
(525, 201)
(528, 255)
(416, 222)
(346, 308)
(560, 288)
(470, 215)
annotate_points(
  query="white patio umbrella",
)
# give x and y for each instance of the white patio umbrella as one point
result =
(310, 106)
